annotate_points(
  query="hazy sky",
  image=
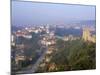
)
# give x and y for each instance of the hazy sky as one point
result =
(30, 13)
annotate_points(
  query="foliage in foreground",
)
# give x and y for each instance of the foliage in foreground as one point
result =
(74, 55)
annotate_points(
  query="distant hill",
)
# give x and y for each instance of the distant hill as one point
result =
(64, 31)
(15, 28)
(88, 22)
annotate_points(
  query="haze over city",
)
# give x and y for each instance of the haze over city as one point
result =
(33, 13)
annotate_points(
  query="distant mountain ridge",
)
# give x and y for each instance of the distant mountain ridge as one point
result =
(88, 22)
(78, 22)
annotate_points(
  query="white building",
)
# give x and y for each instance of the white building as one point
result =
(27, 36)
(12, 40)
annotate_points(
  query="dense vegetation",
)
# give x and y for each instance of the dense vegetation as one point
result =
(74, 55)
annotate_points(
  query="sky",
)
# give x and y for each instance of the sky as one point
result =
(34, 13)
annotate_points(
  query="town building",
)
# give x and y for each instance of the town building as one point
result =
(87, 36)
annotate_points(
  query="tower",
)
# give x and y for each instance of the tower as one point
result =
(86, 34)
